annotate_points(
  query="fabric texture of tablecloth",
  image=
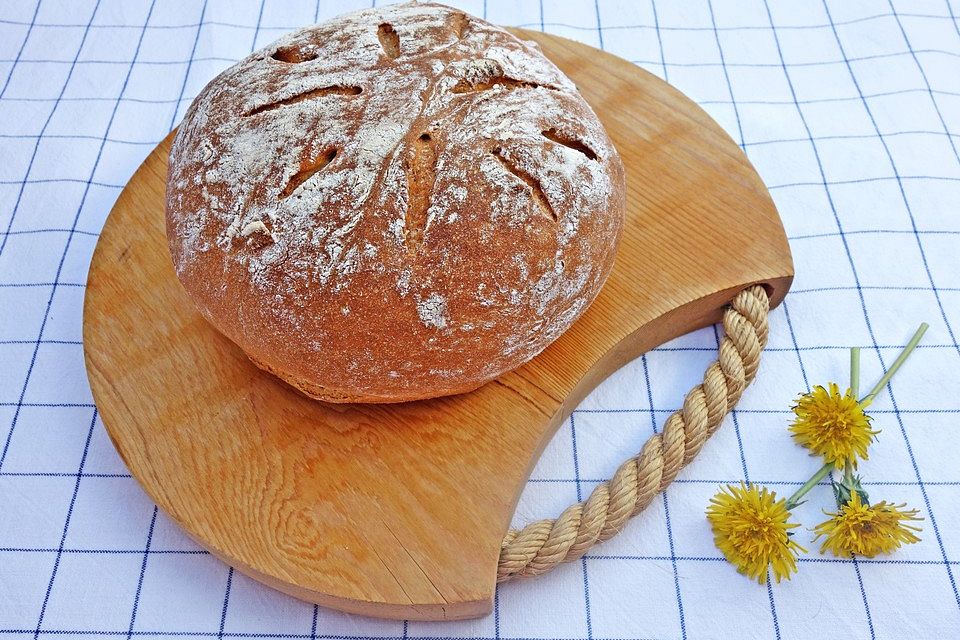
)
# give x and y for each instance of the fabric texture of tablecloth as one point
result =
(850, 112)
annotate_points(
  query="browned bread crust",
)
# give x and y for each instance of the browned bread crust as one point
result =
(400, 203)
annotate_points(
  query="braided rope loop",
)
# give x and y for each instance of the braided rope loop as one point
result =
(540, 546)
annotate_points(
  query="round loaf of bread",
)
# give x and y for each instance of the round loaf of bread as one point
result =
(400, 203)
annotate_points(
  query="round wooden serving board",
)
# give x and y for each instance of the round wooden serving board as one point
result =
(398, 510)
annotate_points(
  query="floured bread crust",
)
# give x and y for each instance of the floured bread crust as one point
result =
(400, 203)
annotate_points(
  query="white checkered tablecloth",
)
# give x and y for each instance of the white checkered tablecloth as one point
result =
(850, 112)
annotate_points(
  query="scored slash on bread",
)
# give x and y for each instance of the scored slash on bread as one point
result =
(307, 95)
(401, 203)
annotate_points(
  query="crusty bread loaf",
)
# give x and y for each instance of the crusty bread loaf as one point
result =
(400, 203)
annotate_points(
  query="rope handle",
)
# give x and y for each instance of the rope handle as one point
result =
(540, 546)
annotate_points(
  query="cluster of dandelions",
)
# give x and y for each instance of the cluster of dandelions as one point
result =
(752, 527)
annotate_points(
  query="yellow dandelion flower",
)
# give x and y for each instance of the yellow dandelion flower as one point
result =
(832, 425)
(750, 527)
(867, 530)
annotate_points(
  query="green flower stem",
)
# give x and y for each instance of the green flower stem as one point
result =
(855, 372)
(907, 350)
(821, 473)
(855, 392)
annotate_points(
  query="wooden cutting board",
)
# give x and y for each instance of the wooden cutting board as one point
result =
(398, 510)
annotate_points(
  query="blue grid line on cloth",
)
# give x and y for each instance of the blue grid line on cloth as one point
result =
(591, 556)
(143, 570)
(579, 487)
(66, 522)
(753, 411)
(899, 179)
(642, 62)
(541, 24)
(636, 61)
(881, 94)
(798, 345)
(186, 75)
(666, 506)
(153, 143)
(710, 481)
(919, 232)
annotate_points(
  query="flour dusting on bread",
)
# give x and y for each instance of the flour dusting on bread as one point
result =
(426, 170)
